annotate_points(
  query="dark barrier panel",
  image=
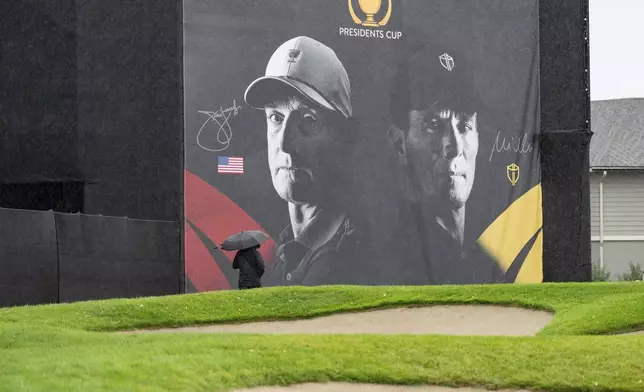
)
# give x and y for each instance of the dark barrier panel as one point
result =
(38, 139)
(28, 261)
(82, 80)
(565, 177)
(130, 107)
(103, 257)
(91, 93)
(565, 125)
(563, 40)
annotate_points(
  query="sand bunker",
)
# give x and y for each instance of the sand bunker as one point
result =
(342, 387)
(445, 320)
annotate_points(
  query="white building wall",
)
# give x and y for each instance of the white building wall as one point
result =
(623, 218)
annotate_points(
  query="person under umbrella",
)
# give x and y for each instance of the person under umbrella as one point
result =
(248, 260)
(251, 268)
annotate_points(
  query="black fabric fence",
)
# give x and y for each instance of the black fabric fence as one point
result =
(28, 258)
(48, 257)
(565, 174)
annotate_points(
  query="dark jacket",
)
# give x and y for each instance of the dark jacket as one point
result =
(335, 255)
(428, 255)
(251, 268)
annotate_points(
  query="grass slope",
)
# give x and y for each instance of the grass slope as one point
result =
(49, 348)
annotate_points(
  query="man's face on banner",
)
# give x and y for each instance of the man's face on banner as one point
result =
(301, 144)
(441, 147)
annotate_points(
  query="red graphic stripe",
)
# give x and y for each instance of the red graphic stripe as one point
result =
(203, 272)
(217, 217)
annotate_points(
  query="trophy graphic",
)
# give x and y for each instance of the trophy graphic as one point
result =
(370, 9)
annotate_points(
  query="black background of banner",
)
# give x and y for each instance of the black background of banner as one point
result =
(137, 49)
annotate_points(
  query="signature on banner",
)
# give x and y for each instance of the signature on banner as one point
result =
(518, 144)
(220, 123)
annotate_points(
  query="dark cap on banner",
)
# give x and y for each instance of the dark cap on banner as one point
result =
(310, 68)
(430, 75)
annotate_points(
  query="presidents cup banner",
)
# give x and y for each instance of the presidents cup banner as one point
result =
(374, 142)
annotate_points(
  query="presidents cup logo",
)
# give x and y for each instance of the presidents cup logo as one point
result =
(293, 55)
(371, 9)
(447, 61)
(513, 172)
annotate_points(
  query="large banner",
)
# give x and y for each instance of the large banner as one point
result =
(376, 142)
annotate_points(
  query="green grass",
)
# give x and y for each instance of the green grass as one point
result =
(65, 347)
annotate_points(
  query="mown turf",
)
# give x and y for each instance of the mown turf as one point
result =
(576, 305)
(48, 348)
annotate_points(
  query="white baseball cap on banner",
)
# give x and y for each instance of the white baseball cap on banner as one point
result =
(309, 67)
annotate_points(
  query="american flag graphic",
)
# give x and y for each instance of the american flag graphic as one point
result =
(230, 165)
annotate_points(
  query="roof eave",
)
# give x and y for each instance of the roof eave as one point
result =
(592, 168)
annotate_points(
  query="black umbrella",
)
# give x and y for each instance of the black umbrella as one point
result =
(244, 239)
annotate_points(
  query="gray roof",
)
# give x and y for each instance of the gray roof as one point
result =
(618, 139)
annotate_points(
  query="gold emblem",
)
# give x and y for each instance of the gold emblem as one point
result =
(370, 9)
(513, 173)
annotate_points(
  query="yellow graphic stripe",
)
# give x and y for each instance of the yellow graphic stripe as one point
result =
(532, 269)
(512, 230)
